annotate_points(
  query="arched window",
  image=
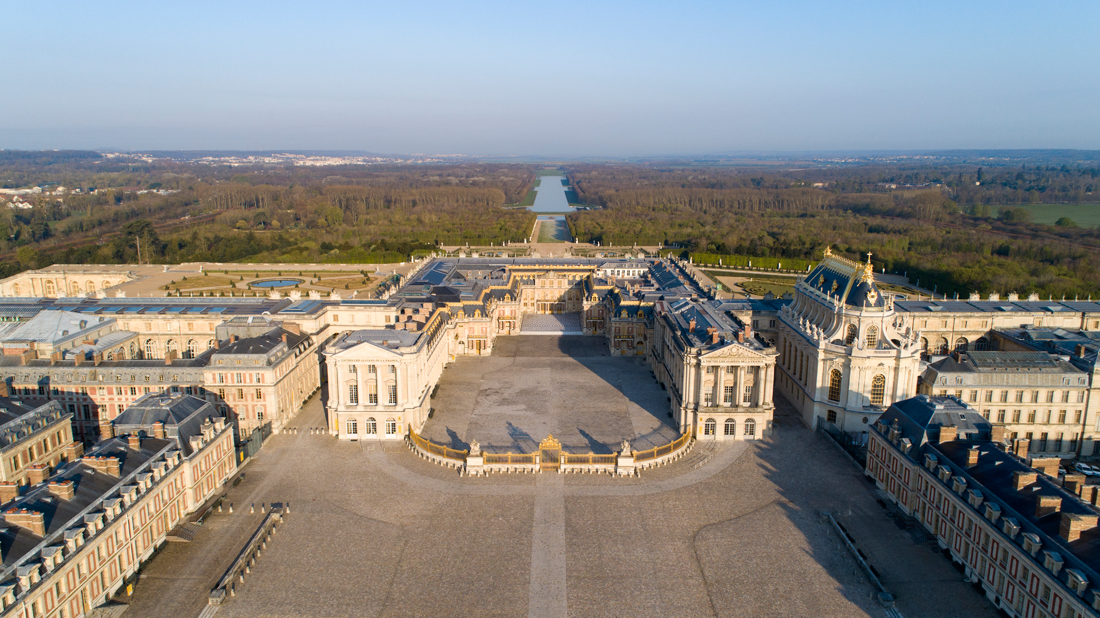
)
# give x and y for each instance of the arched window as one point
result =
(133, 351)
(150, 348)
(210, 344)
(74, 289)
(878, 389)
(121, 353)
(850, 338)
(353, 427)
(924, 345)
(961, 344)
(169, 347)
(89, 287)
(982, 344)
(730, 428)
(941, 346)
(709, 427)
(872, 336)
(750, 428)
(49, 288)
(192, 349)
(372, 426)
(391, 427)
(834, 384)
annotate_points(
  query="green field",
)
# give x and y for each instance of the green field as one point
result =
(1085, 215)
(553, 231)
(550, 172)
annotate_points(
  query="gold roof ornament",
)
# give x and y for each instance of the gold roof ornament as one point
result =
(549, 443)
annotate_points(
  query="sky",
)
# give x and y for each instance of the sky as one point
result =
(567, 79)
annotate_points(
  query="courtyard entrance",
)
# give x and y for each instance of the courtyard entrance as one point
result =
(549, 455)
(530, 387)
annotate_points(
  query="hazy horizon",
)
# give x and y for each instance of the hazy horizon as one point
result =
(583, 80)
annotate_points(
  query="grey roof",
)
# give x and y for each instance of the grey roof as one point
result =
(53, 326)
(919, 419)
(263, 344)
(381, 337)
(853, 290)
(20, 421)
(182, 415)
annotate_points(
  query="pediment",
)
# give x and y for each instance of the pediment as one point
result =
(733, 350)
(366, 351)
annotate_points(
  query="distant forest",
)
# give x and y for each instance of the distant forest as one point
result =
(956, 228)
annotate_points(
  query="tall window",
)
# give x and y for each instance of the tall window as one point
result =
(353, 394)
(150, 348)
(392, 388)
(831, 416)
(391, 426)
(709, 426)
(850, 338)
(169, 347)
(353, 427)
(731, 427)
(727, 394)
(371, 426)
(878, 389)
(834, 385)
(750, 427)
(372, 393)
(872, 336)
(192, 349)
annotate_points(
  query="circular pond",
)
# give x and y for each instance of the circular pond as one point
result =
(275, 283)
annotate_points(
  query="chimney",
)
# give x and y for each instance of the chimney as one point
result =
(715, 337)
(691, 325)
(169, 357)
(134, 441)
(37, 473)
(158, 430)
(740, 336)
(284, 337)
(297, 329)
(63, 489)
(1045, 505)
(972, 457)
(1074, 483)
(1079, 350)
(97, 358)
(997, 434)
(4, 388)
(1089, 493)
(77, 359)
(232, 339)
(28, 356)
(1047, 465)
(217, 344)
(1023, 478)
(106, 465)
(948, 433)
(33, 521)
(8, 492)
(1021, 447)
(1073, 524)
(55, 358)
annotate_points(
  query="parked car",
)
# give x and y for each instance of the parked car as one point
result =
(1086, 469)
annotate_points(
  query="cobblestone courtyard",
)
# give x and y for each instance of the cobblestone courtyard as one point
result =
(535, 385)
(727, 531)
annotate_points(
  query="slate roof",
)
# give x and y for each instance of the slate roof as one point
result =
(182, 415)
(54, 326)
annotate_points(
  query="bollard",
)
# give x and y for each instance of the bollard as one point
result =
(252, 509)
(263, 507)
(230, 507)
(219, 507)
(286, 509)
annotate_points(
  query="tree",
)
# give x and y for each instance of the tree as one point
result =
(1065, 222)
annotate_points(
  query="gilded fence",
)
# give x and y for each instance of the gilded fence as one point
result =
(587, 459)
(663, 450)
(437, 449)
(509, 458)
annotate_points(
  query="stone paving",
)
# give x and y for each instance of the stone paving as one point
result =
(376, 531)
(533, 386)
(551, 324)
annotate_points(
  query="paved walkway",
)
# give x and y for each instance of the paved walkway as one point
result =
(732, 530)
(551, 324)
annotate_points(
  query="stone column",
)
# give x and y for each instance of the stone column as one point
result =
(739, 390)
(769, 386)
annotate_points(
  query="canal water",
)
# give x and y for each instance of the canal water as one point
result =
(550, 195)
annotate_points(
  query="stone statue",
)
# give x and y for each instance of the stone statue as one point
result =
(625, 449)
(475, 448)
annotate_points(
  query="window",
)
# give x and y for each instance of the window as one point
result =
(727, 395)
(372, 393)
(1004, 396)
(221, 378)
(133, 391)
(1043, 441)
(709, 427)
(1065, 396)
(750, 427)
(392, 388)
(708, 399)
(259, 395)
(872, 336)
(1057, 443)
(831, 416)
(973, 396)
(391, 427)
(989, 396)
(221, 394)
(850, 338)
(392, 370)
(834, 385)
(353, 394)
(240, 394)
(351, 369)
(353, 427)
(372, 369)
(1019, 396)
(1050, 396)
(371, 426)
(710, 370)
(1031, 416)
(747, 398)
(1061, 417)
(730, 427)
(1000, 416)
(150, 348)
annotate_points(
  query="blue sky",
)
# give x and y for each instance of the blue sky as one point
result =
(553, 79)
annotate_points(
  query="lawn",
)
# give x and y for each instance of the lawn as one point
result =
(1085, 215)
